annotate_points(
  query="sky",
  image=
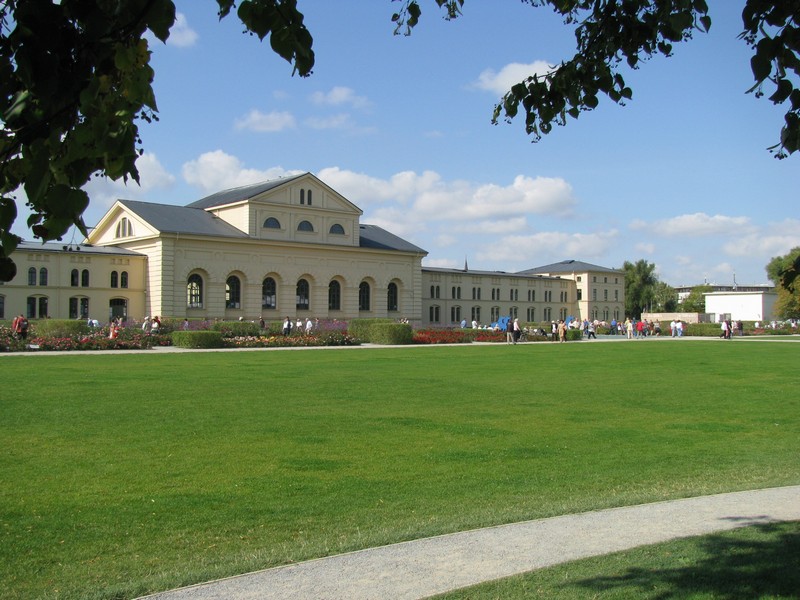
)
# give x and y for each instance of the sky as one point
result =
(401, 126)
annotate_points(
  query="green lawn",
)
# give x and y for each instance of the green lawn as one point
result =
(124, 474)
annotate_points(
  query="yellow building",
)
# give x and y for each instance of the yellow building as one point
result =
(289, 247)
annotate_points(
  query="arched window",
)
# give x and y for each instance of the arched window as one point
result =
(73, 278)
(233, 292)
(32, 276)
(85, 278)
(302, 196)
(269, 293)
(194, 291)
(455, 314)
(337, 229)
(433, 315)
(476, 314)
(42, 276)
(114, 279)
(302, 300)
(309, 197)
(305, 226)
(272, 223)
(391, 297)
(123, 279)
(334, 295)
(124, 228)
(363, 296)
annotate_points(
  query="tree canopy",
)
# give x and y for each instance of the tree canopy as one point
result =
(640, 286)
(76, 79)
(782, 271)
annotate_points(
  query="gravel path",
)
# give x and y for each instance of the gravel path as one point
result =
(421, 568)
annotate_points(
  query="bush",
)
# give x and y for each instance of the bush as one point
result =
(574, 335)
(359, 328)
(442, 336)
(701, 329)
(60, 328)
(231, 329)
(392, 334)
(197, 339)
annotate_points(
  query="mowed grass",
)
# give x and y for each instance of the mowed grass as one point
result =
(126, 474)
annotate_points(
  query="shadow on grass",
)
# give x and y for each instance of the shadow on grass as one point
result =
(763, 563)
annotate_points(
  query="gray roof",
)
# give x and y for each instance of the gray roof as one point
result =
(182, 219)
(241, 193)
(458, 271)
(372, 236)
(569, 266)
(83, 248)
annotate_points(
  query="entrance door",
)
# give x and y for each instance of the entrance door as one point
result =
(118, 309)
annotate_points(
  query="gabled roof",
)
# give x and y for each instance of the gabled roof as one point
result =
(241, 193)
(569, 266)
(457, 271)
(372, 236)
(167, 218)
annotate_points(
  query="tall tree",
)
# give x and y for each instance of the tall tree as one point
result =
(665, 298)
(640, 286)
(75, 78)
(782, 271)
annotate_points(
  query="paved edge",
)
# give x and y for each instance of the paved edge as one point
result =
(429, 566)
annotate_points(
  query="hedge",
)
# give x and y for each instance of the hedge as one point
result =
(60, 328)
(392, 334)
(230, 329)
(360, 328)
(197, 339)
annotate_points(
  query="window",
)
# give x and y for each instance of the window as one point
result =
(476, 293)
(434, 291)
(78, 308)
(31, 307)
(74, 278)
(194, 291)
(114, 279)
(2, 307)
(269, 293)
(605, 295)
(309, 197)
(455, 314)
(302, 300)
(605, 279)
(302, 196)
(85, 278)
(32, 276)
(531, 295)
(476, 314)
(272, 223)
(514, 312)
(495, 314)
(580, 294)
(124, 228)
(456, 293)
(334, 295)
(336, 229)
(616, 295)
(118, 307)
(123, 279)
(42, 276)
(433, 315)
(233, 292)
(363, 296)
(391, 297)
(594, 295)
(305, 226)
(531, 315)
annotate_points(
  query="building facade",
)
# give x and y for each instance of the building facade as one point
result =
(289, 247)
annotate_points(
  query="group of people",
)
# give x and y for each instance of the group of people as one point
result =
(730, 328)
(299, 326)
(151, 326)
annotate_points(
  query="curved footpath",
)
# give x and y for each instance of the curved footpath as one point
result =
(422, 568)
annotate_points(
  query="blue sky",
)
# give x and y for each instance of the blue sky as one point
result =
(680, 176)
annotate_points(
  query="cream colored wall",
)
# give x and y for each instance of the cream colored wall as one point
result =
(58, 291)
(486, 282)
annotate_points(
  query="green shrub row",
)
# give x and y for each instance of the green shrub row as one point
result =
(391, 333)
(360, 328)
(197, 339)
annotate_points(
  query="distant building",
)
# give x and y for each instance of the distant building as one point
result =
(742, 305)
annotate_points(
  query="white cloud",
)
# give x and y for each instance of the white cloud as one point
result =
(695, 225)
(181, 35)
(271, 122)
(499, 82)
(215, 171)
(545, 246)
(103, 191)
(339, 96)
(645, 248)
(340, 121)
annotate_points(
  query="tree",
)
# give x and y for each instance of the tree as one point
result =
(640, 286)
(75, 79)
(665, 298)
(782, 271)
(695, 302)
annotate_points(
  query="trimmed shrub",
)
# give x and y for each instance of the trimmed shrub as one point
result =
(60, 328)
(197, 339)
(701, 329)
(574, 335)
(359, 328)
(393, 334)
(231, 329)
